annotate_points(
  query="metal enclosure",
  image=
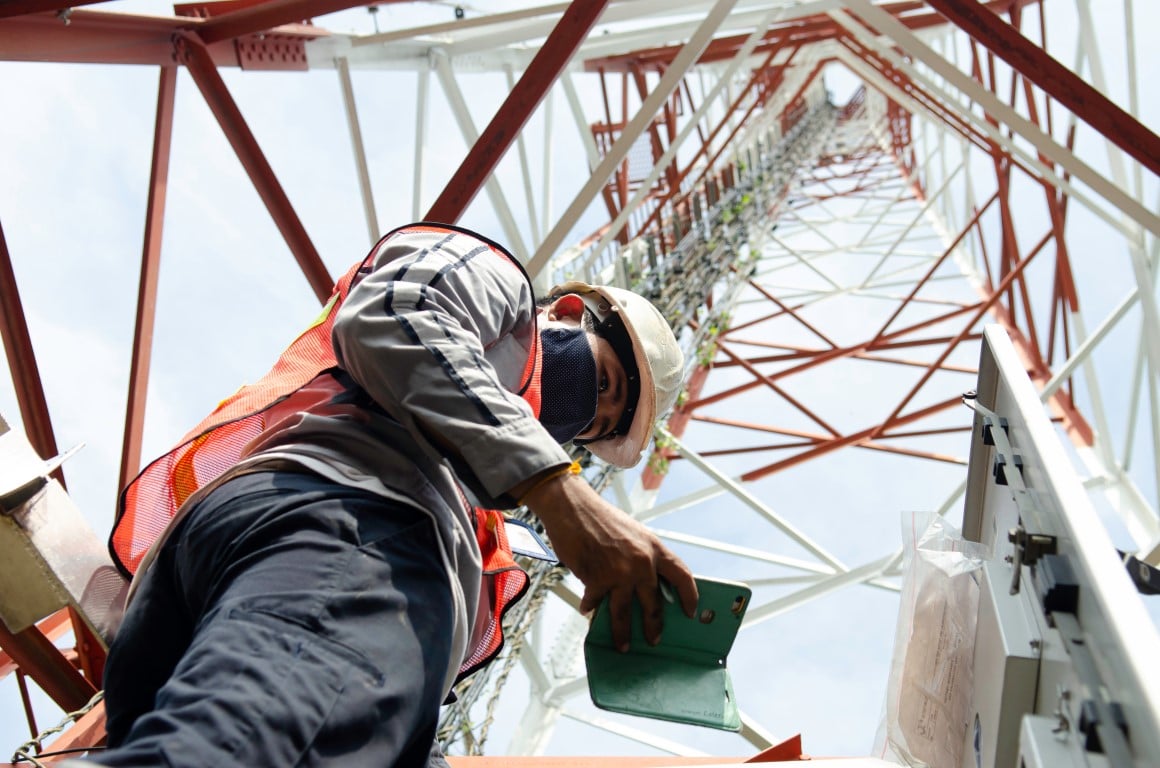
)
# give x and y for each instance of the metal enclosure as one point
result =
(1079, 662)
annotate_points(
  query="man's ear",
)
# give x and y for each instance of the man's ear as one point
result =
(567, 307)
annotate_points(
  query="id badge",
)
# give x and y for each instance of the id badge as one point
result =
(525, 541)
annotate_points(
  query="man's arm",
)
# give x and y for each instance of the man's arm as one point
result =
(610, 552)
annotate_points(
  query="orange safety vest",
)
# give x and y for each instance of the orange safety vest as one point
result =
(151, 500)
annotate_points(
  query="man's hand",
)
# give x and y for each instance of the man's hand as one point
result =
(612, 554)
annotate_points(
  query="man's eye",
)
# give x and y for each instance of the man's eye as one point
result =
(603, 383)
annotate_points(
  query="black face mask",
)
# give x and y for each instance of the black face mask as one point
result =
(568, 389)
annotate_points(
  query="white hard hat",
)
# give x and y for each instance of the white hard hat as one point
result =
(657, 358)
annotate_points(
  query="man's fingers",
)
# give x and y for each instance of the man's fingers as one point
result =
(652, 609)
(620, 611)
(590, 601)
(678, 575)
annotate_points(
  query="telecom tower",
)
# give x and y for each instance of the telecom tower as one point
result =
(829, 200)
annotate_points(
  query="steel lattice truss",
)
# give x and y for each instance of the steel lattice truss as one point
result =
(829, 268)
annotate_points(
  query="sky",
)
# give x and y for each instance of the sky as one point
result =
(74, 169)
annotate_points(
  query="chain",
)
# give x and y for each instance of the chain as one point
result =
(535, 601)
(456, 724)
(487, 684)
(30, 750)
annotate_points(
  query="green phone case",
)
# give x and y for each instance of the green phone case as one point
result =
(683, 679)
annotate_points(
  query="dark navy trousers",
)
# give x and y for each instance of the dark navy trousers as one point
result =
(287, 621)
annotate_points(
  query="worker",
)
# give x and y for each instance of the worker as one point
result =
(320, 561)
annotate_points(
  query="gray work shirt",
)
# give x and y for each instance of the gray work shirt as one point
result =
(432, 345)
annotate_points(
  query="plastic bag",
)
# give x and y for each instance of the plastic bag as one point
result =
(928, 696)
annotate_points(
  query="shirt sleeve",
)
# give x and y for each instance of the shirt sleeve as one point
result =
(416, 334)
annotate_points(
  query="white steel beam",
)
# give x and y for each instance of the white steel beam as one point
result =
(459, 25)
(546, 203)
(685, 501)
(746, 553)
(635, 127)
(581, 122)
(525, 171)
(635, 734)
(488, 43)
(1150, 332)
(420, 143)
(534, 728)
(922, 211)
(753, 502)
(467, 127)
(874, 77)
(686, 130)
(919, 51)
(360, 155)
(1133, 87)
(1087, 44)
(613, 42)
(863, 573)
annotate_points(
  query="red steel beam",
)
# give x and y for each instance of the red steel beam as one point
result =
(934, 268)
(1013, 275)
(640, 80)
(709, 166)
(853, 352)
(858, 438)
(1066, 87)
(46, 664)
(810, 440)
(803, 353)
(953, 120)
(22, 361)
(479, 761)
(815, 358)
(519, 105)
(194, 56)
(1061, 402)
(53, 627)
(91, 654)
(755, 78)
(1066, 284)
(147, 285)
(769, 382)
(792, 312)
(22, 7)
(264, 16)
(936, 109)
(100, 37)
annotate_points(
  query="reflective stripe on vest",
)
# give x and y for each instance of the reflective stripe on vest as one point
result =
(151, 500)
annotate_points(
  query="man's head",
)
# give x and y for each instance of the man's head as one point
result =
(638, 367)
